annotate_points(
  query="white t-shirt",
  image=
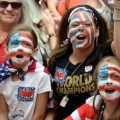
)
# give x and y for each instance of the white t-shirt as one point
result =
(21, 95)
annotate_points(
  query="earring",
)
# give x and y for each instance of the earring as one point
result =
(40, 2)
(96, 41)
(65, 42)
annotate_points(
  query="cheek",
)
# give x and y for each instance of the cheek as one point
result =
(18, 15)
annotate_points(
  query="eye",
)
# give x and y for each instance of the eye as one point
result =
(87, 24)
(15, 43)
(103, 78)
(75, 24)
(115, 77)
(27, 44)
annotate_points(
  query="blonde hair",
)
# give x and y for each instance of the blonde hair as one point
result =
(25, 17)
(110, 59)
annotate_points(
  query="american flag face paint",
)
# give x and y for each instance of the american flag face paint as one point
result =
(109, 82)
(81, 29)
(20, 47)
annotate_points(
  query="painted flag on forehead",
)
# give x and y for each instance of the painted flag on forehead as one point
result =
(7, 69)
(20, 36)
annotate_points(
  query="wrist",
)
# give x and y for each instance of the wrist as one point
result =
(116, 7)
(51, 35)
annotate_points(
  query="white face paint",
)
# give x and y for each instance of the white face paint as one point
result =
(20, 47)
(82, 29)
(109, 82)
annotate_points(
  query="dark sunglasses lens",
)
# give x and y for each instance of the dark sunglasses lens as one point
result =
(3, 4)
(16, 5)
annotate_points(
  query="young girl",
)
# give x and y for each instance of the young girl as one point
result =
(25, 82)
(105, 106)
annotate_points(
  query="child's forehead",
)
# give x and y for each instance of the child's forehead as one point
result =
(22, 34)
(109, 65)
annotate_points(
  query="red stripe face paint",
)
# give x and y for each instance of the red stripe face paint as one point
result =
(109, 82)
(82, 29)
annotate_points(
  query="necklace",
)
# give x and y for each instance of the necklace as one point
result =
(102, 111)
(75, 68)
(65, 98)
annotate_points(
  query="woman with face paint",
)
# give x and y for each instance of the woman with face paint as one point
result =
(82, 43)
(24, 82)
(105, 106)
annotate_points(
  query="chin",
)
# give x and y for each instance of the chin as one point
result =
(19, 65)
(9, 21)
(111, 99)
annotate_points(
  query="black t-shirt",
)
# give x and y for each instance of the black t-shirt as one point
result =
(75, 81)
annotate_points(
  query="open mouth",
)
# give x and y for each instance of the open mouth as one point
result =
(109, 91)
(19, 56)
(81, 37)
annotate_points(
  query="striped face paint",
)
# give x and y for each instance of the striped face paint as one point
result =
(81, 29)
(20, 47)
(109, 82)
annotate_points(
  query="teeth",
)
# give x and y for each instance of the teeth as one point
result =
(110, 89)
(81, 35)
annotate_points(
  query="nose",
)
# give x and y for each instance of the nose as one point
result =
(81, 29)
(109, 82)
(20, 49)
(9, 7)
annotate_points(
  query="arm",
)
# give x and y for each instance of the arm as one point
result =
(3, 108)
(50, 115)
(50, 25)
(116, 37)
(40, 107)
(53, 8)
(108, 4)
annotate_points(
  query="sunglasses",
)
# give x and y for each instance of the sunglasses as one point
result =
(15, 5)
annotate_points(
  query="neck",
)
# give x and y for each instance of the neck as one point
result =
(5, 29)
(16, 78)
(79, 56)
(3, 34)
(95, 3)
(110, 108)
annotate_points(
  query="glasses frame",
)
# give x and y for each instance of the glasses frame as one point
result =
(14, 5)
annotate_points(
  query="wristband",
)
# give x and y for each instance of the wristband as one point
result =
(117, 8)
(115, 19)
(51, 35)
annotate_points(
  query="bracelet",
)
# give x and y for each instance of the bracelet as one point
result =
(115, 19)
(51, 35)
(117, 8)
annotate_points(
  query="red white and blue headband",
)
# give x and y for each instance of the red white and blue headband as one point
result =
(79, 9)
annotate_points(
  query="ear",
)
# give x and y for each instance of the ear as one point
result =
(97, 32)
(6, 49)
(35, 52)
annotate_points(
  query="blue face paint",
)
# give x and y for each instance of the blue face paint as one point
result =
(14, 40)
(81, 29)
(103, 73)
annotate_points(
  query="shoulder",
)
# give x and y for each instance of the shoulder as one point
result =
(89, 101)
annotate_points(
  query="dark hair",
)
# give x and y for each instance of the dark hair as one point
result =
(26, 28)
(62, 35)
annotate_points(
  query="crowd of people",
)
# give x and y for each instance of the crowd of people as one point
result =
(59, 60)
